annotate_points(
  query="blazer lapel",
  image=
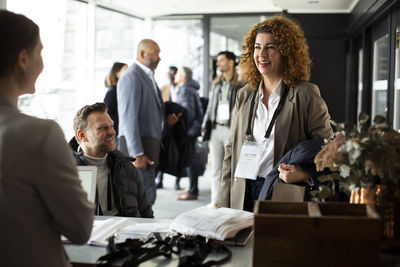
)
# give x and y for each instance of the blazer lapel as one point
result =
(150, 85)
(283, 126)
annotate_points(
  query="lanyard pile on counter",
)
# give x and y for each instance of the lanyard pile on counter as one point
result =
(196, 249)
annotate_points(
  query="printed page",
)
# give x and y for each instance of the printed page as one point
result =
(200, 221)
(103, 229)
(240, 220)
(212, 223)
(141, 231)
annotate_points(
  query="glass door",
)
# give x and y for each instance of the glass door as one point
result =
(380, 68)
(360, 81)
(380, 75)
(396, 107)
(396, 100)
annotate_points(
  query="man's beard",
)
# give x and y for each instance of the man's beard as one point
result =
(104, 148)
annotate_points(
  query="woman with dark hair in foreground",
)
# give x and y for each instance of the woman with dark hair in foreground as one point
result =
(41, 197)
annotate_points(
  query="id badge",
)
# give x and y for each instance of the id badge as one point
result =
(249, 160)
(223, 112)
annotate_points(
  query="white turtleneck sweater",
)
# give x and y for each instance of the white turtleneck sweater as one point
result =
(103, 172)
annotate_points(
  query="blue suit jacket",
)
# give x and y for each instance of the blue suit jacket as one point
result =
(141, 113)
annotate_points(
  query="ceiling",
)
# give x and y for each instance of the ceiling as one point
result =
(156, 8)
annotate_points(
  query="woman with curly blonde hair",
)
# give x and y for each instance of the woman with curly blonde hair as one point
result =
(276, 110)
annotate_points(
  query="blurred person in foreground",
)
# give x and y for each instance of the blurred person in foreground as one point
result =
(277, 110)
(41, 196)
(111, 95)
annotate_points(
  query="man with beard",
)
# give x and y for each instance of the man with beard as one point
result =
(217, 118)
(119, 191)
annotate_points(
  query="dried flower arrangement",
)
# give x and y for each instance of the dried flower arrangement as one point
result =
(360, 158)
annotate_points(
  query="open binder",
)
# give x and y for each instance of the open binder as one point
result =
(229, 225)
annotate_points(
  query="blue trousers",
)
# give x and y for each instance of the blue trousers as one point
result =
(148, 177)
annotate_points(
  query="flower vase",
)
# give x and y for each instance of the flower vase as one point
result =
(386, 200)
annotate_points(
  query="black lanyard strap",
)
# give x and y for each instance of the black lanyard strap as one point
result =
(133, 252)
(276, 113)
(248, 131)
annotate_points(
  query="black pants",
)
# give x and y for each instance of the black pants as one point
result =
(253, 189)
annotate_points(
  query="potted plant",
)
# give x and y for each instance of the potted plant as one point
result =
(365, 163)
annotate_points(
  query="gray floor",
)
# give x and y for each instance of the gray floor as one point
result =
(168, 207)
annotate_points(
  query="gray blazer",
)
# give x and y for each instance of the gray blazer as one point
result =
(211, 112)
(140, 112)
(41, 197)
(304, 116)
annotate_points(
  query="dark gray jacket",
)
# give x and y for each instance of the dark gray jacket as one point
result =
(128, 190)
(234, 85)
(211, 113)
(190, 99)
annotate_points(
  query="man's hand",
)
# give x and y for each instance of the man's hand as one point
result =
(292, 174)
(173, 118)
(142, 161)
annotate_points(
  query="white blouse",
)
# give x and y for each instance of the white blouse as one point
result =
(261, 122)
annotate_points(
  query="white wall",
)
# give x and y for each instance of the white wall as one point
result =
(3, 4)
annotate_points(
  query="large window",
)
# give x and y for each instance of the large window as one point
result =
(360, 81)
(117, 36)
(182, 44)
(60, 89)
(75, 65)
(396, 109)
(380, 76)
(226, 33)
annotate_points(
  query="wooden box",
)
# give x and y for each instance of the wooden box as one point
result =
(315, 234)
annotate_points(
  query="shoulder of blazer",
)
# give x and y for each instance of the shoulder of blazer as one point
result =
(136, 68)
(244, 93)
(306, 88)
(303, 90)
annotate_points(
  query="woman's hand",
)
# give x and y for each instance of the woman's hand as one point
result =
(291, 174)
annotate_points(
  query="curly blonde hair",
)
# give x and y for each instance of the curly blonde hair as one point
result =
(291, 44)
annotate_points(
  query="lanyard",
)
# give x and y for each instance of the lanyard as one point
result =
(276, 113)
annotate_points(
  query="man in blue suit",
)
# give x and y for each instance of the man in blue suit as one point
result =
(141, 113)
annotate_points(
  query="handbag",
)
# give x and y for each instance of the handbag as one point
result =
(200, 157)
(207, 131)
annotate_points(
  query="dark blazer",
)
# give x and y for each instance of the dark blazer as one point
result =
(190, 100)
(302, 155)
(176, 152)
(110, 100)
